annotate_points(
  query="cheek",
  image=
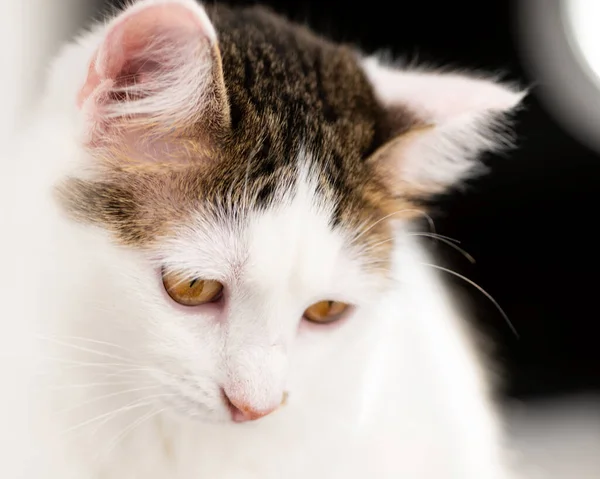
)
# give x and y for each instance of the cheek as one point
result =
(184, 347)
(316, 348)
(320, 349)
(313, 363)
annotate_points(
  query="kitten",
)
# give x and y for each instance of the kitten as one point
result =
(226, 283)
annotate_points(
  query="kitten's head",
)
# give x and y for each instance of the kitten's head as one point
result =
(253, 174)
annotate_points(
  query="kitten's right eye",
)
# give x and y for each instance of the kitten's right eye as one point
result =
(191, 292)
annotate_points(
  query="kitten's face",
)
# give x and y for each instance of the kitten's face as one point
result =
(237, 306)
(252, 172)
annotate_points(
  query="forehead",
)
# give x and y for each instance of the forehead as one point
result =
(291, 244)
(225, 215)
(301, 109)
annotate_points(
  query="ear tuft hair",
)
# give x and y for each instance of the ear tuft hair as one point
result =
(157, 70)
(457, 117)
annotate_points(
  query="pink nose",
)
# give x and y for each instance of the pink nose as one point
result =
(242, 411)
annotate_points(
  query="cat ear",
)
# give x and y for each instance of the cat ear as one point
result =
(158, 70)
(453, 119)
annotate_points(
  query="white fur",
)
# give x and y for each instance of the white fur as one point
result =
(394, 392)
(467, 115)
(119, 382)
(172, 93)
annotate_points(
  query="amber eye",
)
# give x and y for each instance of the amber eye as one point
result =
(325, 311)
(191, 292)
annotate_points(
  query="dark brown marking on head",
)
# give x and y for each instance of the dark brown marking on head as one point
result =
(289, 92)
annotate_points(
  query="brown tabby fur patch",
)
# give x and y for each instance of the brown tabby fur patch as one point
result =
(290, 95)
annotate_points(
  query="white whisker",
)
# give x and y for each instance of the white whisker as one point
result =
(123, 372)
(84, 349)
(87, 340)
(106, 396)
(148, 403)
(91, 385)
(146, 417)
(448, 242)
(107, 416)
(83, 364)
(436, 235)
(483, 291)
(407, 210)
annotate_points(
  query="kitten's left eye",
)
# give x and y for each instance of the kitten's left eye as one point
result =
(325, 311)
(191, 292)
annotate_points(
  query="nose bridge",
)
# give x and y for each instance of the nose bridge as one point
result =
(255, 359)
(261, 322)
(253, 366)
(257, 338)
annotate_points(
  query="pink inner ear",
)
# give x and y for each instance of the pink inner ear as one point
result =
(91, 83)
(137, 45)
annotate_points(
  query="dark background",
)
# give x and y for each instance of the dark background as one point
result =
(530, 224)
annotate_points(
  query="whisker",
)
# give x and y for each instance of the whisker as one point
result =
(149, 403)
(404, 210)
(447, 242)
(437, 235)
(123, 372)
(109, 414)
(375, 245)
(137, 423)
(106, 396)
(87, 340)
(84, 349)
(483, 291)
(142, 402)
(91, 385)
(83, 364)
